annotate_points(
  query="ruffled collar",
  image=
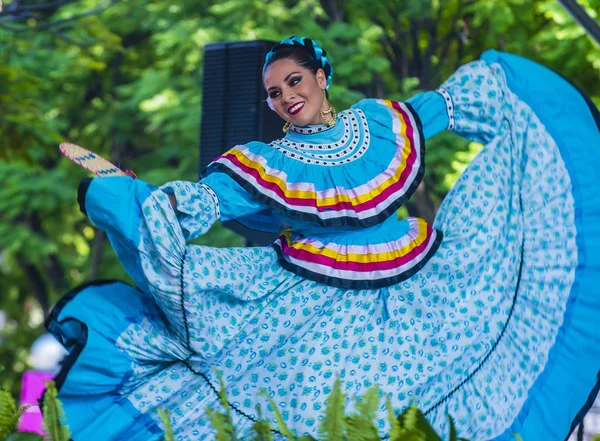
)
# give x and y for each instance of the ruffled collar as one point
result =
(313, 128)
(355, 175)
(367, 259)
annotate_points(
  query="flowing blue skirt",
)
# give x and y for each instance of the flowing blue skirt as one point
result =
(497, 329)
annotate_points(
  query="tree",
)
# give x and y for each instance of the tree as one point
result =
(123, 79)
(37, 17)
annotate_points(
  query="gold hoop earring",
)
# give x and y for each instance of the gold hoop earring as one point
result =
(331, 111)
(333, 117)
(287, 126)
(326, 112)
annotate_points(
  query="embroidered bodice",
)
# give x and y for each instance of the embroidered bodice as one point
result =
(334, 191)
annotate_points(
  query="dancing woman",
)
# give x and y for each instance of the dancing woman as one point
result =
(486, 315)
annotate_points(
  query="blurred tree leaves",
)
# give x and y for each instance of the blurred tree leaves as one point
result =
(126, 83)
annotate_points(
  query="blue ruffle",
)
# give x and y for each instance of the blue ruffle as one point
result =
(91, 390)
(571, 374)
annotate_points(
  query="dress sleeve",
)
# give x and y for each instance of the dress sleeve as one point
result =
(235, 203)
(197, 209)
(475, 100)
(149, 236)
(233, 200)
(469, 103)
(216, 197)
(114, 205)
(131, 211)
(435, 111)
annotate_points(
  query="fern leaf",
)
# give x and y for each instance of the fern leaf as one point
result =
(333, 425)
(412, 419)
(54, 416)
(305, 437)
(220, 421)
(22, 410)
(261, 428)
(408, 418)
(165, 417)
(227, 414)
(413, 435)
(360, 426)
(518, 437)
(453, 435)
(424, 427)
(395, 428)
(281, 426)
(360, 429)
(9, 415)
(262, 431)
(24, 436)
(367, 407)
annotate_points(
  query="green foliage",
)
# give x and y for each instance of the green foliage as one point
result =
(222, 421)
(411, 425)
(9, 414)
(54, 416)
(336, 424)
(413, 422)
(23, 436)
(131, 90)
(395, 427)
(15, 340)
(333, 425)
(281, 425)
(9, 419)
(360, 426)
(165, 417)
(262, 429)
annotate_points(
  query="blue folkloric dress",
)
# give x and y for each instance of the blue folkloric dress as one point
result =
(488, 315)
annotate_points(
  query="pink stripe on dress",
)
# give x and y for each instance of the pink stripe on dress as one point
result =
(356, 266)
(369, 204)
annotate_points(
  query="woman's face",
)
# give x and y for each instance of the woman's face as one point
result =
(296, 94)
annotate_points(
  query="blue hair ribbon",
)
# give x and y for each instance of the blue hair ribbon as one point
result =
(317, 52)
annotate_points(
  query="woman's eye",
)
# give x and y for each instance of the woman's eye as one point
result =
(295, 81)
(273, 94)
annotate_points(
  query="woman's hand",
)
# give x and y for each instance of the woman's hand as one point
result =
(173, 201)
(81, 192)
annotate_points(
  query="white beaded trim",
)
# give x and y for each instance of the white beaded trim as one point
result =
(307, 152)
(212, 193)
(449, 106)
(311, 130)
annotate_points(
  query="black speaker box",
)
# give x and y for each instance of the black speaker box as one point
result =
(234, 108)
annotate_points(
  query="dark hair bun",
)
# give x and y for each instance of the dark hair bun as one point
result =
(294, 47)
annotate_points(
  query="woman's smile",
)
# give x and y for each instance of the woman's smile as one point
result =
(296, 108)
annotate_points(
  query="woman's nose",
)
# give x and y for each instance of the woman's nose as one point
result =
(288, 96)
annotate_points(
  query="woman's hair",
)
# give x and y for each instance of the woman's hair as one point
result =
(303, 51)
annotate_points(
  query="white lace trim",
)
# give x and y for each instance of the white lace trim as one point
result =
(328, 154)
(212, 193)
(449, 106)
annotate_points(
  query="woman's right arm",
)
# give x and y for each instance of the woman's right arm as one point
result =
(198, 205)
(149, 236)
